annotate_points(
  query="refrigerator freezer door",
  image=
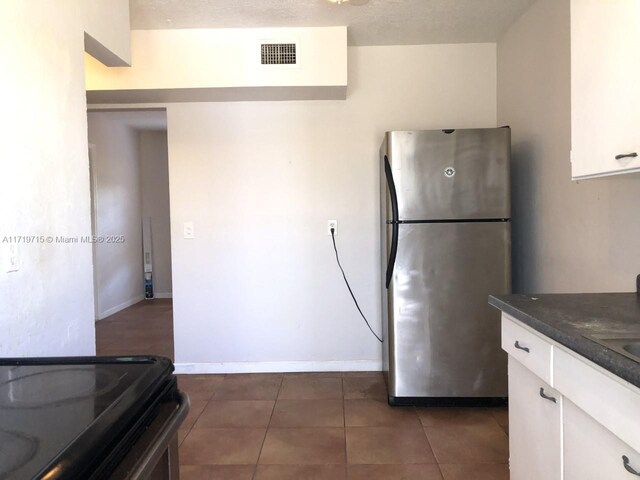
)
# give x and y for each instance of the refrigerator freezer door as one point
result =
(443, 337)
(463, 174)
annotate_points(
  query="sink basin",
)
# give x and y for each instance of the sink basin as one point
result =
(627, 346)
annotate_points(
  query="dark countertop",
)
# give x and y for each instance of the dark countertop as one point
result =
(567, 318)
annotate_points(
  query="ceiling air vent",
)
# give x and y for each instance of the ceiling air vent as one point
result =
(278, 54)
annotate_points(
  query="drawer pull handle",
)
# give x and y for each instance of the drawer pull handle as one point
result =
(547, 397)
(626, 155)
(520, 347)
(627, 467)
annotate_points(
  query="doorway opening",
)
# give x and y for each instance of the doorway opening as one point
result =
(131, 234)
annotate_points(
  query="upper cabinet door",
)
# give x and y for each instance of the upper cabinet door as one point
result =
(605, 87)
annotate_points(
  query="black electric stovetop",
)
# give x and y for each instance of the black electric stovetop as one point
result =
(75, 417)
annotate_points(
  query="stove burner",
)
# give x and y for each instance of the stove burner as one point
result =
(16, 450)
(63, 385)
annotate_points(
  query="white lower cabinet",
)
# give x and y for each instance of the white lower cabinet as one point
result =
(549, 440)
(535, 426)
(591, 452)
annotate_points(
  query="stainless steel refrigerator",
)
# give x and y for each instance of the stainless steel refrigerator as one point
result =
(446, 245)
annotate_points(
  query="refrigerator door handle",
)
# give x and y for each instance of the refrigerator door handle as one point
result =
(394, 222)
(392, 253)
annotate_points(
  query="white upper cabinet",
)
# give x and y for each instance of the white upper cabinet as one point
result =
(605, 87)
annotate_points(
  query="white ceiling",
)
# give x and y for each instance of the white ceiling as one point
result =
(379, 22)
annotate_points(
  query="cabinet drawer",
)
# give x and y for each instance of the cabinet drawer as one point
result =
(527, 347)
(591, 452)
(613, 403)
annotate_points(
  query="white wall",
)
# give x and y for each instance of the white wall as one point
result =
(203, 65)
(154, 176)
(258, 288)
(224, 57)
(107, 32)
(46, 308)
(118, 266)
(567, 236)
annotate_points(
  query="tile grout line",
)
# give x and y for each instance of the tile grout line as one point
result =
(273, 409)
(424, 431)
(199, 415)
(189, 431)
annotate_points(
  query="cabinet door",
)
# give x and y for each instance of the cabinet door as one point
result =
(535, 438)
(591, 452)
(605, 93)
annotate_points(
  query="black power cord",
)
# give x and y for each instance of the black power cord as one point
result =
(333, 239)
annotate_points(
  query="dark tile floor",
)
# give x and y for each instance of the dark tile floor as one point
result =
(312, 426)
(331, 426)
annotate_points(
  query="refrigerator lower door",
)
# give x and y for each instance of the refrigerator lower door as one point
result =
(443, 338)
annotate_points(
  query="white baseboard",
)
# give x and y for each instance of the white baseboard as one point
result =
(122, 306)
(162, 295)
(277, 367)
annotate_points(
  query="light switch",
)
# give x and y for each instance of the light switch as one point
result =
(189, 231)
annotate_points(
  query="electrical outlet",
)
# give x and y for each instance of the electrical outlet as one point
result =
(332, 224)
